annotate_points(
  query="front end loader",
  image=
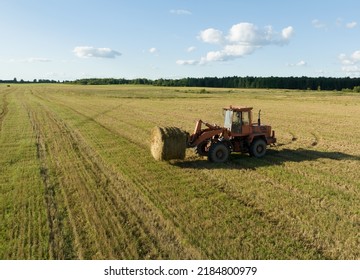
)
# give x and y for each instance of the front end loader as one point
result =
(239, 134)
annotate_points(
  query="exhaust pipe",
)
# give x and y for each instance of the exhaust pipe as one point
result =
(259, 118)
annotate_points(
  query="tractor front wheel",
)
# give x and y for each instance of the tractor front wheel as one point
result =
(218, 152)
(258, 148)
(201, 149)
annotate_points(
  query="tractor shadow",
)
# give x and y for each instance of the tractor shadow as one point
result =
(272, 158)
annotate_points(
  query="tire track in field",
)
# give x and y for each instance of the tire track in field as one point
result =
(135, 201)
(144, 221)
(131, 170)
(249, 198)
(300, 155)
(317, 139)
(125, 126)
(22, 193)
(89, 176)
(314, 140)
(4, 109)
(51, 187)
(51, 207)
(81, 180)
(333, 195)
(101, 181)
(308, 224)
(46, 167)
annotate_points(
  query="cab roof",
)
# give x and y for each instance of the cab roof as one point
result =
(238, 108)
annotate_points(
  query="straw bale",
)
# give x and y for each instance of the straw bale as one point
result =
(168, 143)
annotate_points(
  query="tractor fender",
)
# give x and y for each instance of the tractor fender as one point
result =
(205, 135)
(253, 137)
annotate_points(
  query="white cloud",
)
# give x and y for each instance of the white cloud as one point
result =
(249, 34)
(38, 59)
(356, 56)
(191, 49)
(351, 25)
(318, 24)
(345, 60)
(153, 50)
(238, 50)
(181, 12)
(301, 63)
(246, 33)
(211, 35)
(350, 64)
(339, 22)
(186, 62)
(213, 56)
(32, 60)
(242, 39)
(229, 52)
(287, 32)
(350, 60)
(87, 52)
(351, 70)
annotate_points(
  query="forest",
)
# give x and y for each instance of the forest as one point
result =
(298, 83)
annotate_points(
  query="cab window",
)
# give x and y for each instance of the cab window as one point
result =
(228, 119)
(245, 118)
(237, 122)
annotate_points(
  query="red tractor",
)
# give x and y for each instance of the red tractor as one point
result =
(239, 134)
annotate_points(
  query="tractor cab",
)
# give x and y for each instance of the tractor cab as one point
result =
(238, 120)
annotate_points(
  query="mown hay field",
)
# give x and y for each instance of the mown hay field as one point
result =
(78, 181)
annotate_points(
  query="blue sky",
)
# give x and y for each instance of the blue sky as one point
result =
(71, 39)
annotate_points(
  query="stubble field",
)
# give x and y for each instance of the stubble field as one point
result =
(77, 180)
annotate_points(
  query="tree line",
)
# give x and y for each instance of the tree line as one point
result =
(299, 83)
(41, 81)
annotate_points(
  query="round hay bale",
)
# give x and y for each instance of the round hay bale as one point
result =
(168, 143)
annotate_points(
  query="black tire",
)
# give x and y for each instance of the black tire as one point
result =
(218, 153)
(258, 148)
(201, 149)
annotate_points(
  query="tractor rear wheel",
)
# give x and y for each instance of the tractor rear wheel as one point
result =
(218, 153)
(258, 148)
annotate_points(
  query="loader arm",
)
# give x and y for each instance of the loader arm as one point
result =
(200, 135)
(205, 135)
(199, 123)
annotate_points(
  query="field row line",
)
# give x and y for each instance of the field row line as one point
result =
(343, 213)
(115, 188)
(51, 207)
(23, 222)
(56, 201)
(4, 109)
